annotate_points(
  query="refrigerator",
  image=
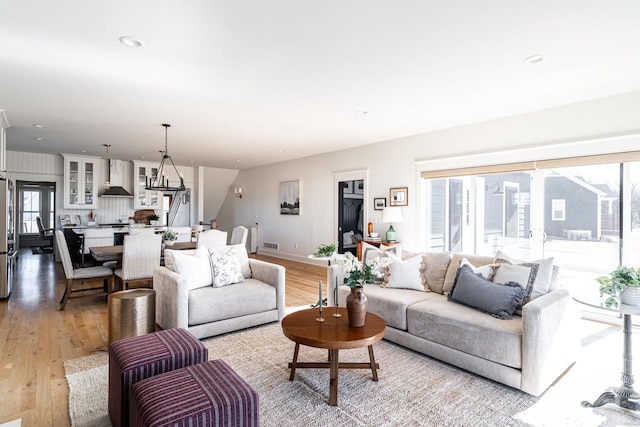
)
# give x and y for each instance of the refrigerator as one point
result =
(7, 235)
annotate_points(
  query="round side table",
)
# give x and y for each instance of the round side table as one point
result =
(131, 313)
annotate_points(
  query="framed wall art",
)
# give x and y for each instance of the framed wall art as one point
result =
(379, 203)
(290, 198)
(399, 196)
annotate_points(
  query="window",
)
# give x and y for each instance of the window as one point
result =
(557, 210)
(35, 199)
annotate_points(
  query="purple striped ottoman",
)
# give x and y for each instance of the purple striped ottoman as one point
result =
(207, 394)
(134, 359)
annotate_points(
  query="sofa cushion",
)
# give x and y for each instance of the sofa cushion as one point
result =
(522, 274)
(404, 274)
(544, 275)
(225, 268)
(468, 330)
(435, 269)
(390, 304)
(212, 304)
(240, 252)
(196, 268)
(473, 290)
(168, 257)
(476, 260)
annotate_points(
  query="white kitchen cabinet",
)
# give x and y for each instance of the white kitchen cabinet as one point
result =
(81, 177)
(142, 198)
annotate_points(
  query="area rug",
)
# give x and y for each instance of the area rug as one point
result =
(412, 390)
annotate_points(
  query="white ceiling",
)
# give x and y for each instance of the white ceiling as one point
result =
(242, 80)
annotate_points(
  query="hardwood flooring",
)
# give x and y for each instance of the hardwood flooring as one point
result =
(36, 338)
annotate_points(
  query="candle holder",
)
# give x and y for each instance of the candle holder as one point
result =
(335, 300)
(320, 319)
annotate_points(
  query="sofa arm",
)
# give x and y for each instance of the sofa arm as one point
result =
(172, 299)
(271, 274)
(550, 343)
(335, 275)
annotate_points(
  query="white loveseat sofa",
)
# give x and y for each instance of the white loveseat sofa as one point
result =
(527, 352)
(185, 300)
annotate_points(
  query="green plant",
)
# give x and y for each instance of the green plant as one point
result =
(616, 282)
(169, 235)
(325, 250)
(153, 217)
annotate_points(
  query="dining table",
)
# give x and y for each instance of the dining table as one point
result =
(114, 253)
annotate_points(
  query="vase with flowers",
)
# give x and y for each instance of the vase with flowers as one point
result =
(357, 275)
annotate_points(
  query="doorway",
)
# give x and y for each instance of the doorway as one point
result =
(35, 199)
(350, 215)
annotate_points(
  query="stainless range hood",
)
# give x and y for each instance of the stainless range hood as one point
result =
(116, 169)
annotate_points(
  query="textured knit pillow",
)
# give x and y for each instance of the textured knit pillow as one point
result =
(404, 274)
(225, 268)
(435, 269)
(194, 268)
(477, 292)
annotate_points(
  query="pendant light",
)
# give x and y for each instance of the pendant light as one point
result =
(159, 182)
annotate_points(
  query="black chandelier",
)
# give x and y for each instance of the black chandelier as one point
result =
(158, 182)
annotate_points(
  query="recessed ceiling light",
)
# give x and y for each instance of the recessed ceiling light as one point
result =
(191, 161)
(282, 150)
(131, 41)
(39, 138)
(238, 161)
(83, 151)
(362, 112)
(143, 157)
(37, 125)
(535, 59)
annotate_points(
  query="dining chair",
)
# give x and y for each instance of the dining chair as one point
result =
(82, 275)
(140, 256)
(211, 239)
(46, 235)
(239, 235)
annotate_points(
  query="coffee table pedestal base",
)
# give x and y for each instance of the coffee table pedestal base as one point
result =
(333, 364)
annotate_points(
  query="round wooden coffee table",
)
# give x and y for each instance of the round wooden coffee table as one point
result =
(334, 334)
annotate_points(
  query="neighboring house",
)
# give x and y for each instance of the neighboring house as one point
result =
(577, 210)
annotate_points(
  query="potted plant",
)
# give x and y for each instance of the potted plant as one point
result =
(153, 219)
(325, 250)
(621, 284)
(169, 237)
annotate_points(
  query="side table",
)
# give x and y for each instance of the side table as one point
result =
(624, 396)
(131, 313)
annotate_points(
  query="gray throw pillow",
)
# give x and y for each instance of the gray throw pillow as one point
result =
(477, 292)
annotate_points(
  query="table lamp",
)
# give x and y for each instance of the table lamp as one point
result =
(391, 214)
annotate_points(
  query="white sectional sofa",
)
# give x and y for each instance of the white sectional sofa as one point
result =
(527, 352)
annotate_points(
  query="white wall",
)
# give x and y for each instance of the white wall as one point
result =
(396, 163)
(217, 187)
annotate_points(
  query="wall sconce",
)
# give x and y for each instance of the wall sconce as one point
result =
(498, 191)
(238, 192)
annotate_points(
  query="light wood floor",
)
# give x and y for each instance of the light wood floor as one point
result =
(36, 338)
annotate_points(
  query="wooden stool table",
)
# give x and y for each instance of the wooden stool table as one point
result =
(333, 334)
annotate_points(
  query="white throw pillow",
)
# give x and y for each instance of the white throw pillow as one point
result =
(195, 268)
(544, 276)
(486, 271)
(404, 274)
(225, 268)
